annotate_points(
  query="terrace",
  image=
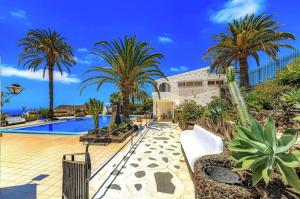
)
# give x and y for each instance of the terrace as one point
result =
(32, 167)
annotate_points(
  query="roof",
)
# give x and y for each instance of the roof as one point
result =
(201, 70)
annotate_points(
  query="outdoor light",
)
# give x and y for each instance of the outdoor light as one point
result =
(14, 89)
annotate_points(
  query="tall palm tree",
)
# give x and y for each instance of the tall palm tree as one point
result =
(245, 38)
(131, 63)
(46, 49)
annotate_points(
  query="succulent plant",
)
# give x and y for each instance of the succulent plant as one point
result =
(237, 97)
(259, 150)
(94, 107)
(291, 97)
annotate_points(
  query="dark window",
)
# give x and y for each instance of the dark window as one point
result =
(181, 84)
(164, 87)
(189, 83)
(199, 83)
(211, 82)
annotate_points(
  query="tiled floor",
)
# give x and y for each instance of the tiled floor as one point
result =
(153, 168)
(31, 165)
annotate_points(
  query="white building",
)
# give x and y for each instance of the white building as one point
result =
(198, 85)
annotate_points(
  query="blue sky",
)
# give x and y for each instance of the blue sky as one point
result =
(181, 30)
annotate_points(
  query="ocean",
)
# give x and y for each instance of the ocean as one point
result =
(14, 112)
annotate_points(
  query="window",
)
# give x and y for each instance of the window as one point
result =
(220, 82)
(164, 87)
(181, 84)
(199, 83)
(210, 82)
(189, 84)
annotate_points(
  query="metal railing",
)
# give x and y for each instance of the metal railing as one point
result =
(264, 73)
(77, 174)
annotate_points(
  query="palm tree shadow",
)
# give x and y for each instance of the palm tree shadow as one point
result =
(25, 191)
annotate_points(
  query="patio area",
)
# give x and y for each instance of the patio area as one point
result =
(31, 165)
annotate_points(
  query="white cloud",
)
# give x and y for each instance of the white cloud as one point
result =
(82, 50)
(83, 61)
(179, 69)
(9, 71)
(235, 9)
(164, 40)
(18, 13)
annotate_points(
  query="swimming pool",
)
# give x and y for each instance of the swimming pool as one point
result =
(64, 127)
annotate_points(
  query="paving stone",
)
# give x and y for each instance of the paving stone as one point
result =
(115, 186)
(140, 174)
(164, 183)
(138, 187)
(134, 164)
(152, 165)
(165, 159)
(161, 138)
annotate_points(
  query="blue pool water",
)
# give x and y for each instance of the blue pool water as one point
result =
(70, 126)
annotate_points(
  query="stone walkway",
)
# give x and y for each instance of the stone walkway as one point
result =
(153, 168)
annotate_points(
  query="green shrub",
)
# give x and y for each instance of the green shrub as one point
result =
(265, 96)
(290, 75)
(29, 118)
(191, 112)
(44, 112)
(219, 102)
(147, 105)
(259, 150)
(3, 116)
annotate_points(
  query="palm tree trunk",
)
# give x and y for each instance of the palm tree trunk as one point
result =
(51, 95)
(125, 95)
(244, 72)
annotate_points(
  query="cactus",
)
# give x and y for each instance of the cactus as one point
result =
(237, 97)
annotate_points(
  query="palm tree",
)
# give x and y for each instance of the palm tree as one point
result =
(131, 64)
(46, 49)
(115, 101)
(94, 107)
(246, 38)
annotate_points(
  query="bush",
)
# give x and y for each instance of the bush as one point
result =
(44, 112)
(3, 116)
(191, 112)
(259, 150)
(290, 75)
(29, 118)
(265, 96)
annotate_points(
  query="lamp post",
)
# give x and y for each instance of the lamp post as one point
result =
(13, 89)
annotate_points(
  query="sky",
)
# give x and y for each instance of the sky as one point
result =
(181, 30)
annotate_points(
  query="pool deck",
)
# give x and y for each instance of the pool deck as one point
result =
(31, 165)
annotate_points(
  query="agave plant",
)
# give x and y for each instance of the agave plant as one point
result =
(292, 97)
(94, 107)
(298, 107)
(259, 150)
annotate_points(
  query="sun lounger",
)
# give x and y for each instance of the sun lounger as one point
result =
(15, 120)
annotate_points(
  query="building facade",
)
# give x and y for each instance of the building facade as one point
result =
(198, 85)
